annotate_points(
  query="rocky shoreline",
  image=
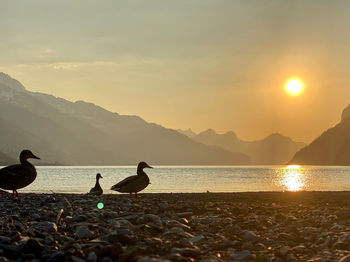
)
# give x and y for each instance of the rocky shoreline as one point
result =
(277, 226)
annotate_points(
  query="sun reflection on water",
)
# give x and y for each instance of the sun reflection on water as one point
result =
(293, 178)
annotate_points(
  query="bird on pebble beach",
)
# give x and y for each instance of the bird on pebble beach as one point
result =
(18, 176)
(134, 184)
(97, 189)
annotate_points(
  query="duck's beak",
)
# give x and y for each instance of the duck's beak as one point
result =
(148, 166)
(35, 157)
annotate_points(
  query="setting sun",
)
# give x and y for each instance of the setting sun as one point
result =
(294, 87)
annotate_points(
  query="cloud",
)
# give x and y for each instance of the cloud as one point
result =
(46, 52)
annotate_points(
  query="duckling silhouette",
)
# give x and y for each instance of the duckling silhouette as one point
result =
(18, 176)
(134, 184)
(97, 189)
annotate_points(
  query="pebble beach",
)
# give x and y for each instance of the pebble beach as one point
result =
(276, 226)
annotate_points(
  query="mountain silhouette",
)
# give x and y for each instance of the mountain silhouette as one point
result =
(330, 148)
(81, 133)
(275, 149)
(188, 132)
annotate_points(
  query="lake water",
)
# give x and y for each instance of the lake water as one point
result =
(196, 178)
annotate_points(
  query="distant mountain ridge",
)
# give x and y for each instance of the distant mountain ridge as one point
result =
(6, 80)
(188, 132)
(275, 149)
(330, 148)
(346, 113)
(81, 133)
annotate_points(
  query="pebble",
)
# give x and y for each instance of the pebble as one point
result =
(48, 240)
(107, 259)
(83, 232)
(196, 239)
(92, 257)
(186, 252)
(163, 205)
(148, 259)
(5, 240)
(51, 227)
(78, 218)
(177, 227)
(154, 218)
(33, 246)
(250, 236)
(300, 249)
(175, 223)
(57, 257)
(185, 214)
(345, 259)
(123, 223)
(284, 250)
(241, 255)
(77, 259)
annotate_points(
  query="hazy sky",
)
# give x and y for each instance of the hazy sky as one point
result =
(194, 63)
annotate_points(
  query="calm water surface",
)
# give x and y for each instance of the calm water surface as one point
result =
(196, 179)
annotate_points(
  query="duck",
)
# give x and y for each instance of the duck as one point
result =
(97, 189)
(134, 184)
(18, 176)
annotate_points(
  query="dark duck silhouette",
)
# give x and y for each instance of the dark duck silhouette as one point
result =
(134, 184)
(18, 176)
(97, 189)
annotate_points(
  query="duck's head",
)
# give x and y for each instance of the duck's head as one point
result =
(98, 176)
(143, 165)
(26, 154)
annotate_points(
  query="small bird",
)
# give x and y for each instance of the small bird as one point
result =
(18, 176)
(97, 189)
(134, 184)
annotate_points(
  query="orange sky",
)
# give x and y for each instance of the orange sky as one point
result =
(198, 64)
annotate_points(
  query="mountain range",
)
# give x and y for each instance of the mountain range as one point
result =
(81, 133)
(188, 132)
(275, 149)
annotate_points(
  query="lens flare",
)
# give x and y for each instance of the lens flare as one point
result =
(100, 205)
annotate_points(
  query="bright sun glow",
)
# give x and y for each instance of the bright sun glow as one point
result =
(293, 167)
(294, 86)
